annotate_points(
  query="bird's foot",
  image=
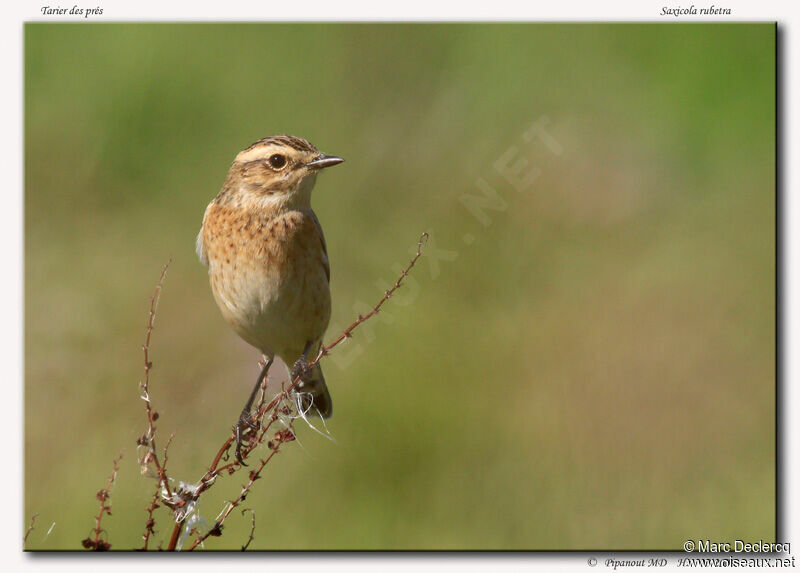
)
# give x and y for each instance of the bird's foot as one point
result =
(302, 370)
(243, 429)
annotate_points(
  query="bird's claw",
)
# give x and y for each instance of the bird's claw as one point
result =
(243, 426)
(300, 369)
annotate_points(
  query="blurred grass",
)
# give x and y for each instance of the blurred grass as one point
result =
(596, 371)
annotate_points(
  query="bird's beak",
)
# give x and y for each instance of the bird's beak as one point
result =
(324, 161)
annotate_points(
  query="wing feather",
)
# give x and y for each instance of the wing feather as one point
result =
(325, 261)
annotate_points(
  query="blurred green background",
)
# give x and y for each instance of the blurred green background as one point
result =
(593, 369)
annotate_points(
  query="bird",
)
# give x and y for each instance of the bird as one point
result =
(268, 263)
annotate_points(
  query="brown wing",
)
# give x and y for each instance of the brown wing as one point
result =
(325, 262)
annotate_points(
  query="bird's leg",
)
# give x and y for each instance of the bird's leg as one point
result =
(244, 422)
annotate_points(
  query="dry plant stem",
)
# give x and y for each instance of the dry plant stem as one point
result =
(150, 524)
(252, 527)
(149, 439)
(275, 405)
(176, 531)
(33, 522)
(96, 543)
(376, 309)
(286, 435)
(254, 475)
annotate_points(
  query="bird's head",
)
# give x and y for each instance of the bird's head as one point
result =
(279, 170)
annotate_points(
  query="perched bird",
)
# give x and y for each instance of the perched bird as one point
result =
(268, 262)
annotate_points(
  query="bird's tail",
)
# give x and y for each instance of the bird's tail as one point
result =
(312, 394)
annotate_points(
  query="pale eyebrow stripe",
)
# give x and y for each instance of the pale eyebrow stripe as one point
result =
(251, 154)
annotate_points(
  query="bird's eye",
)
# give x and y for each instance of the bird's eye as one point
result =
(277, 161)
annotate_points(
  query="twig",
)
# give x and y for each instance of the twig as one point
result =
(150, 524)
(95, 543)
(255, 474)
(176, 531)
(252, 527)
(30, 528)
(377, 308)
(149, 438)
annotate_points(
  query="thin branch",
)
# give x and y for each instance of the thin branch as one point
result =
(95, 543)
(149, 438)
(252, 527)
(176, 531)
(30, 528)
(377, 308)
(150, 524)
(255, 474)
